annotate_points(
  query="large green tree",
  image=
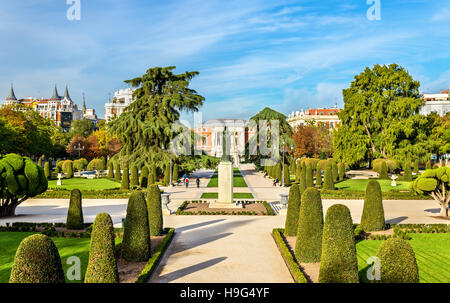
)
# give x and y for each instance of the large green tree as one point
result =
(381, 117)
(146, 125)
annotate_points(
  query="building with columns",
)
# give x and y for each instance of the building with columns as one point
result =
(324, 116)
(438, 103)
(211, 133)
(116, 106)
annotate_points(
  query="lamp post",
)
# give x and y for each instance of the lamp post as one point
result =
(282, 163)
(79, 148)
(170, 155)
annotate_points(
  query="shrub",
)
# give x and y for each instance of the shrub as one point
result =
(96, 164)
(407, 176)
(328, 183)
(309, 176)
(39, 162)
(144, 177)
(322, 164)
(383, 175)
(102, 266)
(428, 165)
(278, 172)
(293, 210)
(341, 171)
(152, 177)
(110, 169)
(175, 173)
(136, 237)
(37, 261)
(134, 180)
(67, 168)
(334, 170)
(298, 172)
(155, 216)
(319, 178)
(398, 262)
(287, 177)
(75, 212)
(47, 171)
(416, 167)
(117, 174)
(167, 175)
(125, 183)
(80, 164)
(308, 247)
(338, 263)
(303, 179)
(372, 218)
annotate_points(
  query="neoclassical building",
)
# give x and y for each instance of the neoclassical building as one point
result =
(116, 106)
(211, 133)
(439, 103)
(324, 116)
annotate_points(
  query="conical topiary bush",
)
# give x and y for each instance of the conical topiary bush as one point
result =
(102, 265)
(144, 177)
(152, 177)
(125, 183)
(308, 247)
(117, 174)
(407, 176)
(37, 261)
(338, 263)
(416, 167)
(167, 175)
(136, 238)
(298, 172)
(398, 262)
(341, 171)
(372, 218)
(287, 176)
(110, 169)
(155, 216)
(134, 179)
(328, 183)
(319, 178)
(309, 176)
(303, 179)
(175, 173)
(293, 211)
(48, 173)
(75, 213)
(383, 171)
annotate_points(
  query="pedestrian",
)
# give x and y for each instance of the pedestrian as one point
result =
(198, 182)
(186, 181)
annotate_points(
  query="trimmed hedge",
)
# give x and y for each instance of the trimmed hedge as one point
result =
(37, 261)
(117, 174)
(398, 262)
(152, 177)
(136, 238)
(309, 176)
(175, 173)
(67, 168)
(318, 178)
(166, 180)
(407, 175)
(328, 183)
(156, 257)
(102, 266)
(383, 171)
(47, 172)
(155, 216)
(338, 263)
(134, 180)
(286, 176)
(372, 218)
(303, 179)
(341, 171)
(125, 182)
(334, 170)
(298, 172)
(110, 170)
(144, 177)
(291, 225)
(75, 212)
(308, 246)
(293, 266)
(416, 166)
(96, 164)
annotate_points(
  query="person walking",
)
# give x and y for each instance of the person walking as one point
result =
(198, 182)
(186, 181)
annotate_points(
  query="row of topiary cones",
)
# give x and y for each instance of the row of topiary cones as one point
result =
(37, 259)
(332, 243)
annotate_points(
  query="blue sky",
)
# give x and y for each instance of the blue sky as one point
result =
(288, 55)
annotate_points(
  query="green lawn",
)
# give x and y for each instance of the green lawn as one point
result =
(235, 196)
(361, 184)
(432, 253)
(238, 180)
(85, 184)
(67, 247)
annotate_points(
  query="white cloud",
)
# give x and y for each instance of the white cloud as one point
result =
(442, 15)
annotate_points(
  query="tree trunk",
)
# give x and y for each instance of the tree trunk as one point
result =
(444, 210)
(9, 209)
(374, 150)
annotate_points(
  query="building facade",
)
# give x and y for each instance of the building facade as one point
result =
(438, 103)
(116, 106)
(324, 116)
(211, 133)
(60, 109)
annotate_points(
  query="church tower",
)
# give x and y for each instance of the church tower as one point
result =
(84, 105)
(11, 97)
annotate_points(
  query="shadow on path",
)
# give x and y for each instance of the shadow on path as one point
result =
(397, 220)
(189, 270)
(194, 226)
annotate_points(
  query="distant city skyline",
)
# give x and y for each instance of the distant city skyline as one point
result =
(289, 55)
